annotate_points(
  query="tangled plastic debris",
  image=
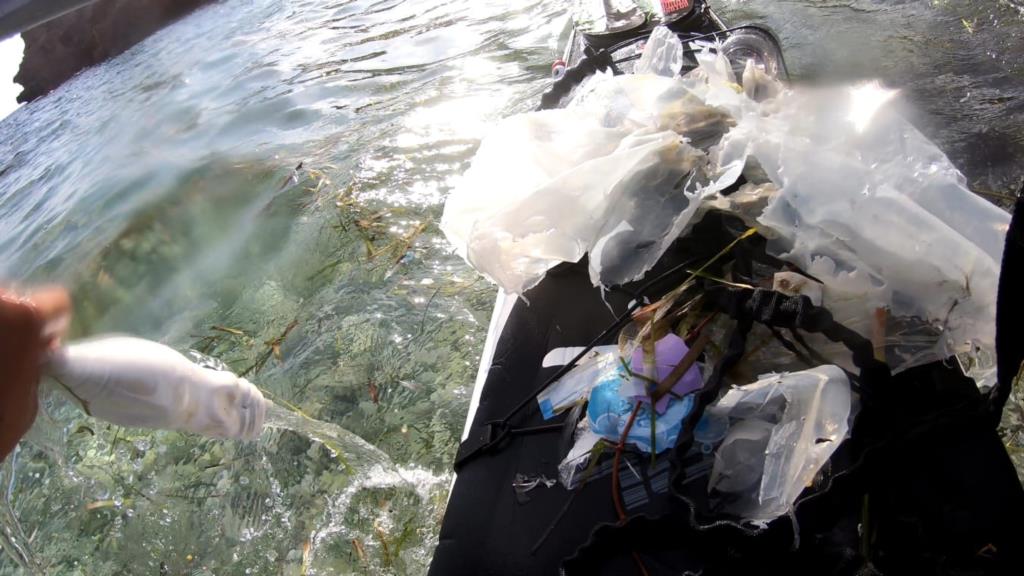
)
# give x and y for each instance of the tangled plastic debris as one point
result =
(843, 187)
(609, 411)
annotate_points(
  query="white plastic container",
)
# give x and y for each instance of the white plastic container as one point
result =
(139, 383)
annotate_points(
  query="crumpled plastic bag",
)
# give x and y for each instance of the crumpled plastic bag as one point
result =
(784, 427)
(876, 211)
(854, 195)
(663, 54)
(610, 176)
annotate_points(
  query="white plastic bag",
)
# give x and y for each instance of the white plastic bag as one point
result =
(135, 382)
(784, 427)
(663, 54)
(610, 176)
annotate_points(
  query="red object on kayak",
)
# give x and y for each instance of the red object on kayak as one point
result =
(558, 69)
(669, 7)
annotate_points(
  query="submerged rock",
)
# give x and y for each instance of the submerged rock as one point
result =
(57, 50)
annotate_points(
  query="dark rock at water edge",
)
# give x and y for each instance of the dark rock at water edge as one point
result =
(56, 50)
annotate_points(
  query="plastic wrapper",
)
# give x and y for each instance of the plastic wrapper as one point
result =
(784, 427)
(663, 54)
(611, 405)
(575, 386)
(667, 354)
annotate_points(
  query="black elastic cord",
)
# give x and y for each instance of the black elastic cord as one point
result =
(814, 354)
(637, 56)
(535, 429)
(558, 518)
(775, 309)
(781, 338)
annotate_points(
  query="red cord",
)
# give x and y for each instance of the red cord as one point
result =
(639, 563)
(616, 497)
(700, 327)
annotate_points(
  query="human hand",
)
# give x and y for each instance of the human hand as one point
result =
(29, 327)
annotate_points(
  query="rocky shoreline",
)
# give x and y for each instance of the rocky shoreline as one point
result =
(57, 50)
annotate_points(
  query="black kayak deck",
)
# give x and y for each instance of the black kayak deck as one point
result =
(943, 494)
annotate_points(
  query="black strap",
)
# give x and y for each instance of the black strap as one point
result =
(778, 310)
(491, 434)
(1009, 314)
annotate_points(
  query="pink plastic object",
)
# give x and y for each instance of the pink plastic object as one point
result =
(668, 352)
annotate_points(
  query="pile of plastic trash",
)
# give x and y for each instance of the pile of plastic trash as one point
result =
(872, 219)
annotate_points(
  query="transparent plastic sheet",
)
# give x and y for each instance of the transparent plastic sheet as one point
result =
(574, 465)
(575, 386)
(609, 176)
(874, 210)
(783, 428)
(843, 186)
(663, 54)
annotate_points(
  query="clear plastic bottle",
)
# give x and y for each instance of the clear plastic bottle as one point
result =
(136, 382)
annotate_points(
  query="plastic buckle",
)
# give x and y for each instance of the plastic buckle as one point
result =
(480, 439)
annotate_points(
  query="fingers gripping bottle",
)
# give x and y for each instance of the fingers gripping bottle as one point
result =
(140, 383)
